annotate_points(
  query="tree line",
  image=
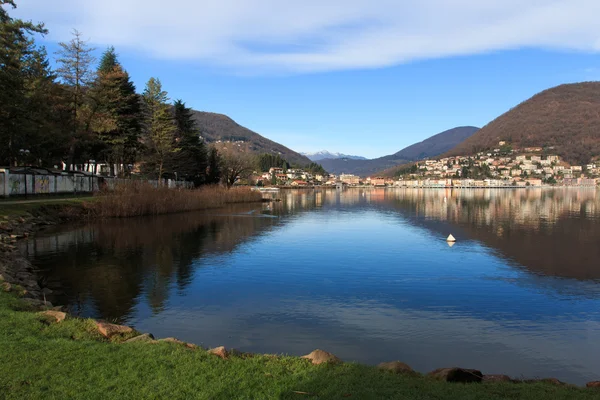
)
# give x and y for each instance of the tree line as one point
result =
(81, 113)
(85, 112)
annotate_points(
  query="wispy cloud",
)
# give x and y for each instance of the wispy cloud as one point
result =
(315, 35)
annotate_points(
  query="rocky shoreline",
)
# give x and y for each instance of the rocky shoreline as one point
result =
(16, 272)
(17, 275)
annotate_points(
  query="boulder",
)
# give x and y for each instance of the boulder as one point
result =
(109, 330)
(177, 341)
(457, 375)
(319, 357)
(145, 338)
(220, 351)
(57, 316)
(594, 384)
(396, 367)
(496, 378)
(6, 287)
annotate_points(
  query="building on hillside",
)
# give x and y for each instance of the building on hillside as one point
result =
(299, 183)
(377, 181)
(350, 179)
(579, 182)
(534, 182)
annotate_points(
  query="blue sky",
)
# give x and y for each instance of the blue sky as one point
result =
(355, 76)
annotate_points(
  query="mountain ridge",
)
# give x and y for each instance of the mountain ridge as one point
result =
(430, 147)
(327, 155)
(215, 127)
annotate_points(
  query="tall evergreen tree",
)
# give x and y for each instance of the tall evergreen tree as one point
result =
(160, 127)
(191, 162)
(116, 113)
(213, 174)
(16, 49)
(75, 61)
(47, 132)
(109, 61)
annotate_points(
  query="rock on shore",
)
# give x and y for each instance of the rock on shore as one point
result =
(319, 357)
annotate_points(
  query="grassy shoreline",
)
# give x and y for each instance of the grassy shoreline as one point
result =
(42, 360)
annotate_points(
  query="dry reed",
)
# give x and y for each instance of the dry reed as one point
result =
(136, 199)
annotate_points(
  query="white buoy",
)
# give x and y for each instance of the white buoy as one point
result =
(451, 238)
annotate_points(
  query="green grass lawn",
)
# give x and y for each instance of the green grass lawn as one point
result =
(70, 360)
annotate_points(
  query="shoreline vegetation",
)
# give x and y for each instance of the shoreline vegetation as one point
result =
(84, 358)
(139, 199)
(130, 199)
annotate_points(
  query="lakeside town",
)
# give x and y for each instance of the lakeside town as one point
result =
(501, 167)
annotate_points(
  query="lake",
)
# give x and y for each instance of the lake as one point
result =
(364, 274)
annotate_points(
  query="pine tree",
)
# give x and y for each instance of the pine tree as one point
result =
(160, 127)
(191, 162)
(108, 62)
(46, 134)
(16, 48)
(116, 112)
(213, 175)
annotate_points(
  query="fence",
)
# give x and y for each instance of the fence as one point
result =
(29, 182)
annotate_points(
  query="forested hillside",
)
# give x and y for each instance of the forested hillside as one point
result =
(566, 118)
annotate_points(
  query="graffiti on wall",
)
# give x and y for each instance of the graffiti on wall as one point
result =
(42, 184)
(15, 185)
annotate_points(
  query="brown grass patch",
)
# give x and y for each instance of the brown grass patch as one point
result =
(136, 199)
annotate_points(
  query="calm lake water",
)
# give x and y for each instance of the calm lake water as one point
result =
(364, 274)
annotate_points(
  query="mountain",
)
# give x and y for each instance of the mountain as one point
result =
(437, 144)
(428, 148)
(215, 128)
(566, 117)
(324, 154)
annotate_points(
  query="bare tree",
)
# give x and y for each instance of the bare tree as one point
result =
(75, 61)
(236, 166)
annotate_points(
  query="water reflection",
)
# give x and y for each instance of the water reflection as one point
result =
(549, 231)
(366, 274)
(106, 268)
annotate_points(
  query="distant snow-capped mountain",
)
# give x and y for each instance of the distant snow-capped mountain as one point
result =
(324, 154)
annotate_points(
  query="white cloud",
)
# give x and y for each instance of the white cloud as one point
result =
(317, 35)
